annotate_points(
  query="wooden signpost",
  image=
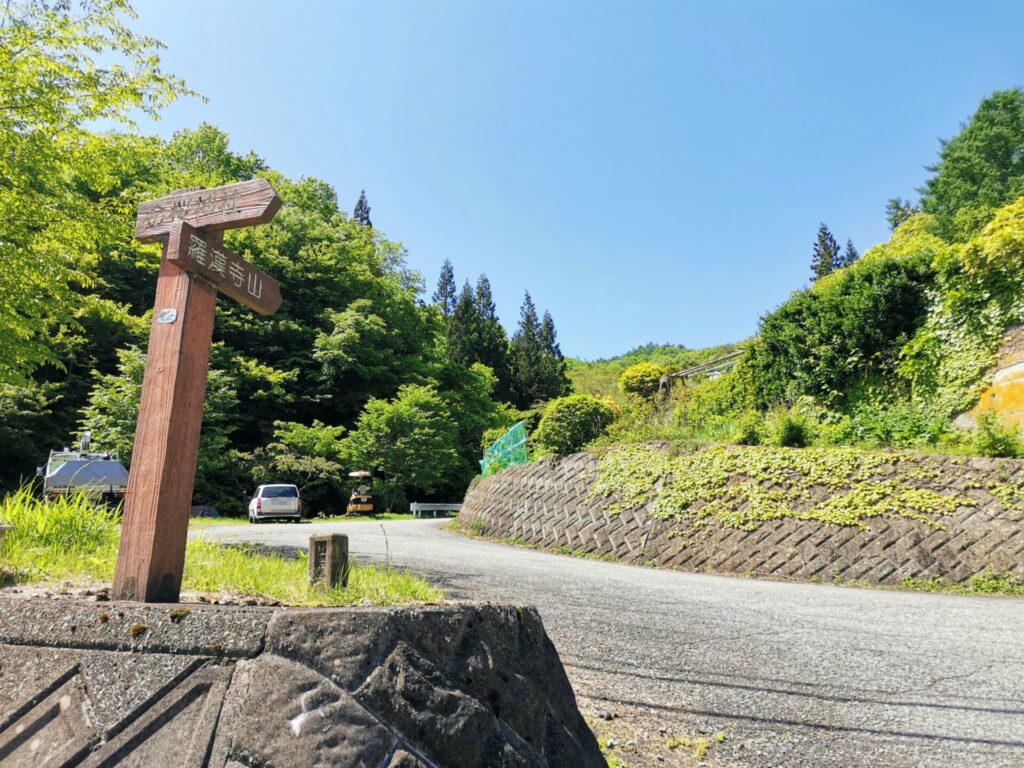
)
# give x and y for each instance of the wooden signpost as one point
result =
(195, 265)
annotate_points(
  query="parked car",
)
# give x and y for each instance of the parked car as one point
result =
(275, 501)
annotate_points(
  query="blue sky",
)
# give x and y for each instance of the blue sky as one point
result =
(649, 171)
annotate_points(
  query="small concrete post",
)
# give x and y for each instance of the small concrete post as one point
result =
(328, 560)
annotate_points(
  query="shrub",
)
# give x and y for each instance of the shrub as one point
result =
(991, 438)
(709, 400)
(851, 324)
(642, 380)
(901, 424)
(747, 429)
(569, 423)
(789, 429)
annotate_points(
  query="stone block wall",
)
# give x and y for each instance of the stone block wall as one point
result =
(97, 684)
(549, 504)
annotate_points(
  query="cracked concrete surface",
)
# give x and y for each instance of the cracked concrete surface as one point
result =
(794, 674)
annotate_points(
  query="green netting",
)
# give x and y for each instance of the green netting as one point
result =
(509, 450)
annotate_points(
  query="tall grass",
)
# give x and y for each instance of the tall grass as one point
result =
(210, 567)
(67, 538)
(71, 538)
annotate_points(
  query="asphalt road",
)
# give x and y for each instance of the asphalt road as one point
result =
(794, 674)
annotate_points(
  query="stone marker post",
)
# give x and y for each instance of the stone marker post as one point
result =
(328, 560)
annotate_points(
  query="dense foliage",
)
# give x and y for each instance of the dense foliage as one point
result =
(884, 349)
(60, 186)
(641, 380)
(601, 377)
(323, 387)
(569, 423)
(980, 169)
(850, 325)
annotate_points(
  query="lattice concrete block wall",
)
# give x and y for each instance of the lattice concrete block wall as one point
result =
(549, 504)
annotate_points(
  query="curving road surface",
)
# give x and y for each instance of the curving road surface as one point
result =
(794, 674)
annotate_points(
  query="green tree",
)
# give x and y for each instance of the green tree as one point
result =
(309, 456)
(979, 169)
(446, 294)
(60, 70)
(362, 211)
(898, 210)
(537, 370)
(26, 434)
(463, 330)
(468, 396)
(826, 252)
(848, 256)
(642, 380)
(826, 340)
(112, 412)
(569, 423)
(492, 343)
(525, 358)
(553, 367)
(409, 443)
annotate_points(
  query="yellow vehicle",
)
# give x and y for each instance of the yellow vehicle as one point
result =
(361, 501)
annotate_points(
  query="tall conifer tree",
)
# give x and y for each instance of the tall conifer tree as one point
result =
(537, 370)
(556, 380)
(492, 344)
(524, 356)
(848, 256)
(445, 295)
(463, 329)
(826, 251)
(362, 212)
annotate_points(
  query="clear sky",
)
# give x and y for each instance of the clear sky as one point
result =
(649, 171)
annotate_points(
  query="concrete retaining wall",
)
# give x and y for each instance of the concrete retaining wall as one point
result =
(101, 684)
(548, 504)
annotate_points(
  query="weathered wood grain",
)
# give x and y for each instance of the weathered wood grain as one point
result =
(202, 253)
(151, 557)
(194, 266)
(219, 208)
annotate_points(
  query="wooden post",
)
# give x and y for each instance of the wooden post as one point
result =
(151, 557)
(194, 266)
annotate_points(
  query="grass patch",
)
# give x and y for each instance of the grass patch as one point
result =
(71, 539)
(584, 555)
(984, 583)
(67, 538)
(210, 567)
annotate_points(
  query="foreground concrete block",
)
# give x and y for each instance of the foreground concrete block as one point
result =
(102, 684)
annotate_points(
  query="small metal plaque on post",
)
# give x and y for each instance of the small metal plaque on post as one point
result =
(328, 560)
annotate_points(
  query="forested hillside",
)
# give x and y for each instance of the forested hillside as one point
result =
(600, 377)
(356, 371)
(884, 349)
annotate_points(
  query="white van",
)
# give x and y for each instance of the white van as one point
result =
(275, 501)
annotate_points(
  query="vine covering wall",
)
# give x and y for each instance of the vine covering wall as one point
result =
(797, 513)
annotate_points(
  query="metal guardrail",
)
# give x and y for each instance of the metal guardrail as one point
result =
(718, 365)
(419, 509)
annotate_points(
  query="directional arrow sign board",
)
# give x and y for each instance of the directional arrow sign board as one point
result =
(236, 205)
(194, 267)
(202, 254)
